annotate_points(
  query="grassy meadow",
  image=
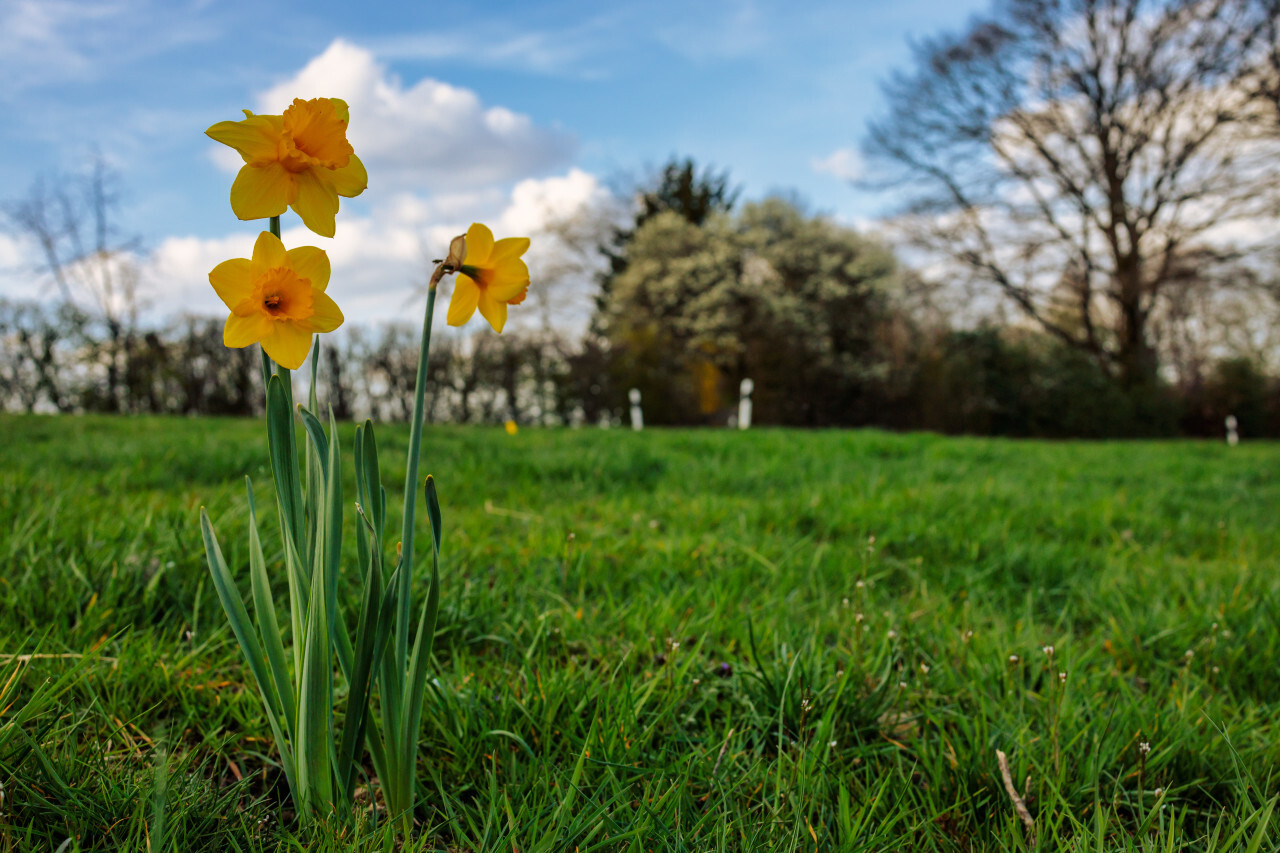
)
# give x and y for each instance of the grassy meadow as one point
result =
(675, 641)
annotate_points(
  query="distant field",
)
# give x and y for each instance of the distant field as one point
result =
(598, 687)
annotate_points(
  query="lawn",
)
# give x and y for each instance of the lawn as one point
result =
(675, 641)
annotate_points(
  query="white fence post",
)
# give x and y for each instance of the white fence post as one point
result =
(744, 403)
(637, 416)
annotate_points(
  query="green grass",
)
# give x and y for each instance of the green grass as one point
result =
(676, 641)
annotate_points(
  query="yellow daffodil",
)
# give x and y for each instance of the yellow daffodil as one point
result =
(511, 427)
(300, 159)
(277, 299)
(492, 277)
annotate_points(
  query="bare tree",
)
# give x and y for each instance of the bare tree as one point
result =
(72, 220)
(570, 263)
(1078, 154)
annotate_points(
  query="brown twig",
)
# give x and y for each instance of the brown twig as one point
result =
(1019, 804)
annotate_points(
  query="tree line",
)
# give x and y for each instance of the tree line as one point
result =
(831, 328)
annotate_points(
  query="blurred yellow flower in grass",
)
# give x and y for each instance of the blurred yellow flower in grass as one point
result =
(300, 159)
(492, 276)
(511, 427)
(277, 299)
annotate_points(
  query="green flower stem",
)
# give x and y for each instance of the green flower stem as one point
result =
(394, 749)
(403, 621)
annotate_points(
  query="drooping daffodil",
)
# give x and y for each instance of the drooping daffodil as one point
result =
(492, 276)
(277, 299)
(301, 159)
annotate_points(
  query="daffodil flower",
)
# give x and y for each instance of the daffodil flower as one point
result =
(300, 159)
(492, 276)
(277, 299)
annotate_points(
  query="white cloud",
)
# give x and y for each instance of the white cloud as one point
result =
(426, 136)
(12, 253)
(540, 52)
(45, 42)
(536, 203)
(843, 163)
(226, 159)
(731, 29)
(19, 269)
(35, 37)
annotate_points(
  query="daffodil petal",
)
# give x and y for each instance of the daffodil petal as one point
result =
(351, 179)
(243, 331)
(509, 279)
(479, 245)
(508, 247)
(340, 106)
(493, 311)
(260, 191)
(268, 252)
(519, 297)
(255, 138)
(463, 304)
(312, 264)
(233, 281)
(316, 203)
(327, 316)
(288, 344)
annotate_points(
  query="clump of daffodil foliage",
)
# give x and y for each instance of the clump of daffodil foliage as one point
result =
(303, 663)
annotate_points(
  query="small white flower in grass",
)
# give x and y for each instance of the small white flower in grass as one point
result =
(1048, 650)
(1062, 678)
(1013, 659)
(1144, 747)
(893, 635)
(924, 668)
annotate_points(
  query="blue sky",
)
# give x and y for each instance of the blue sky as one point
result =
(510, 112)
